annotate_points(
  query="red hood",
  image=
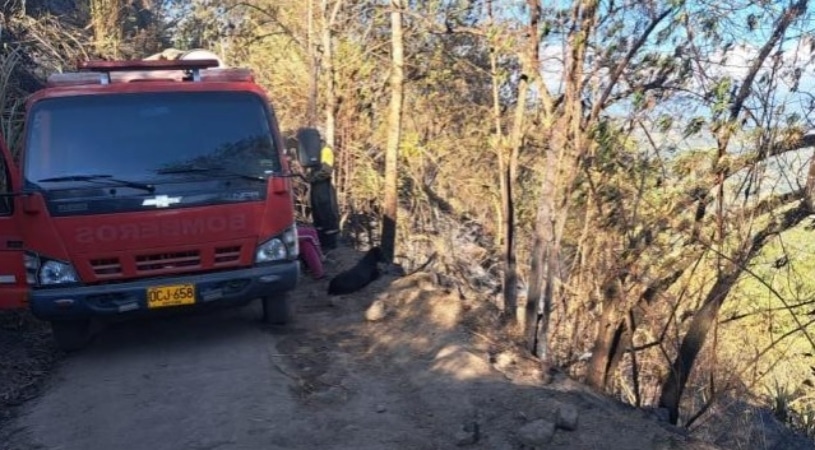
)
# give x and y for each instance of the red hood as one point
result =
(138, 231)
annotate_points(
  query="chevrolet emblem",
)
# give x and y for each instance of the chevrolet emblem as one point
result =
(161, 201)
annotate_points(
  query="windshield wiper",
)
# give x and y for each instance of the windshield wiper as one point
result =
(209, 169)
(100, 177)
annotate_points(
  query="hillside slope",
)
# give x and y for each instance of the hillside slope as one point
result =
(401, 364)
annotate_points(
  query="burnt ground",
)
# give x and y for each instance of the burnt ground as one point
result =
(26, 358)
(427, 371)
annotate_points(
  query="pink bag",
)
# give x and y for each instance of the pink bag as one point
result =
(310, 252)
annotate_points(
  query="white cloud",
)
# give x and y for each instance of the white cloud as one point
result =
(737, 61)
(551, 59)
(734, 62)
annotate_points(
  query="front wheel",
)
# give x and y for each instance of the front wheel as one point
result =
(276, 309)
(71, 335)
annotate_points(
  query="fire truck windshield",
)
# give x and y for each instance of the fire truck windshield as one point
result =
(148, 137)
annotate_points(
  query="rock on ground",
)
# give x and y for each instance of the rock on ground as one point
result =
(537, 434)
(566, 417)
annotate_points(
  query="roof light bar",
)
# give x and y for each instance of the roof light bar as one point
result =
(141, 65)
(108, 67)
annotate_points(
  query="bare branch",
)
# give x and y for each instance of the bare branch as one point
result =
(272, 16)
(625, 61)
(790, 15)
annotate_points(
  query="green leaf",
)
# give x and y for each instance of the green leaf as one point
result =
(793, 119)
(664, 123)
(694, 127)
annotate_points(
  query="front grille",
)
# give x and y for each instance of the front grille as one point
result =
(227, 255)
(121, 267)
(106, 267)
(170, 260)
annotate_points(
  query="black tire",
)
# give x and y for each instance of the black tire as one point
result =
(71, 335)
(276, 309)
(309, 143)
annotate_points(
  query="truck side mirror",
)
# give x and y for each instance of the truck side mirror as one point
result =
(309, 147)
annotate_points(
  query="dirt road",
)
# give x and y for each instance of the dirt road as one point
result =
(417, 377)
(199, 382)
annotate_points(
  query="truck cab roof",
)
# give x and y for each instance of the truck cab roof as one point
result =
(106, 77)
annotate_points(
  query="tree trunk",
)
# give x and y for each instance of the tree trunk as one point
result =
(529, 69)
(615, 333)
(692, 343)
(564, 148)
(327, 36)
(507, 169)
(544, 271)
(613, 337)
(539, 299)
(510, 281)
(311, 112)
(394, 133)
(498, 135)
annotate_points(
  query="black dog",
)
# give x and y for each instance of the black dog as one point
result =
(364, 272)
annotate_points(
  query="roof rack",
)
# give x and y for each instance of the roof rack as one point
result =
(106, 67)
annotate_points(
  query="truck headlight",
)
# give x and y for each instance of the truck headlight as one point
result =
(279, 248)
(48, 272)
(272, 250)
(57, 272)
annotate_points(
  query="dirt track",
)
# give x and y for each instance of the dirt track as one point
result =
(165, 384)
(415, 380)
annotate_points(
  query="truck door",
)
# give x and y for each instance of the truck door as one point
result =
(13, 285)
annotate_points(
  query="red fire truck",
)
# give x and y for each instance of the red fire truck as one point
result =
(143, 186)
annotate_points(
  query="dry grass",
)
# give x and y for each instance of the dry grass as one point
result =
(33, 47)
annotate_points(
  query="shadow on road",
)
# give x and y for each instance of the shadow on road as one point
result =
(177, 331)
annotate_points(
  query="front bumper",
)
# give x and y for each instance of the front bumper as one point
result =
(227, 287)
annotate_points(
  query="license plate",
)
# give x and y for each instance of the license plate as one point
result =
(175, 295)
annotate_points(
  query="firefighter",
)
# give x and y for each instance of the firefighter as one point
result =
(323, 197)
